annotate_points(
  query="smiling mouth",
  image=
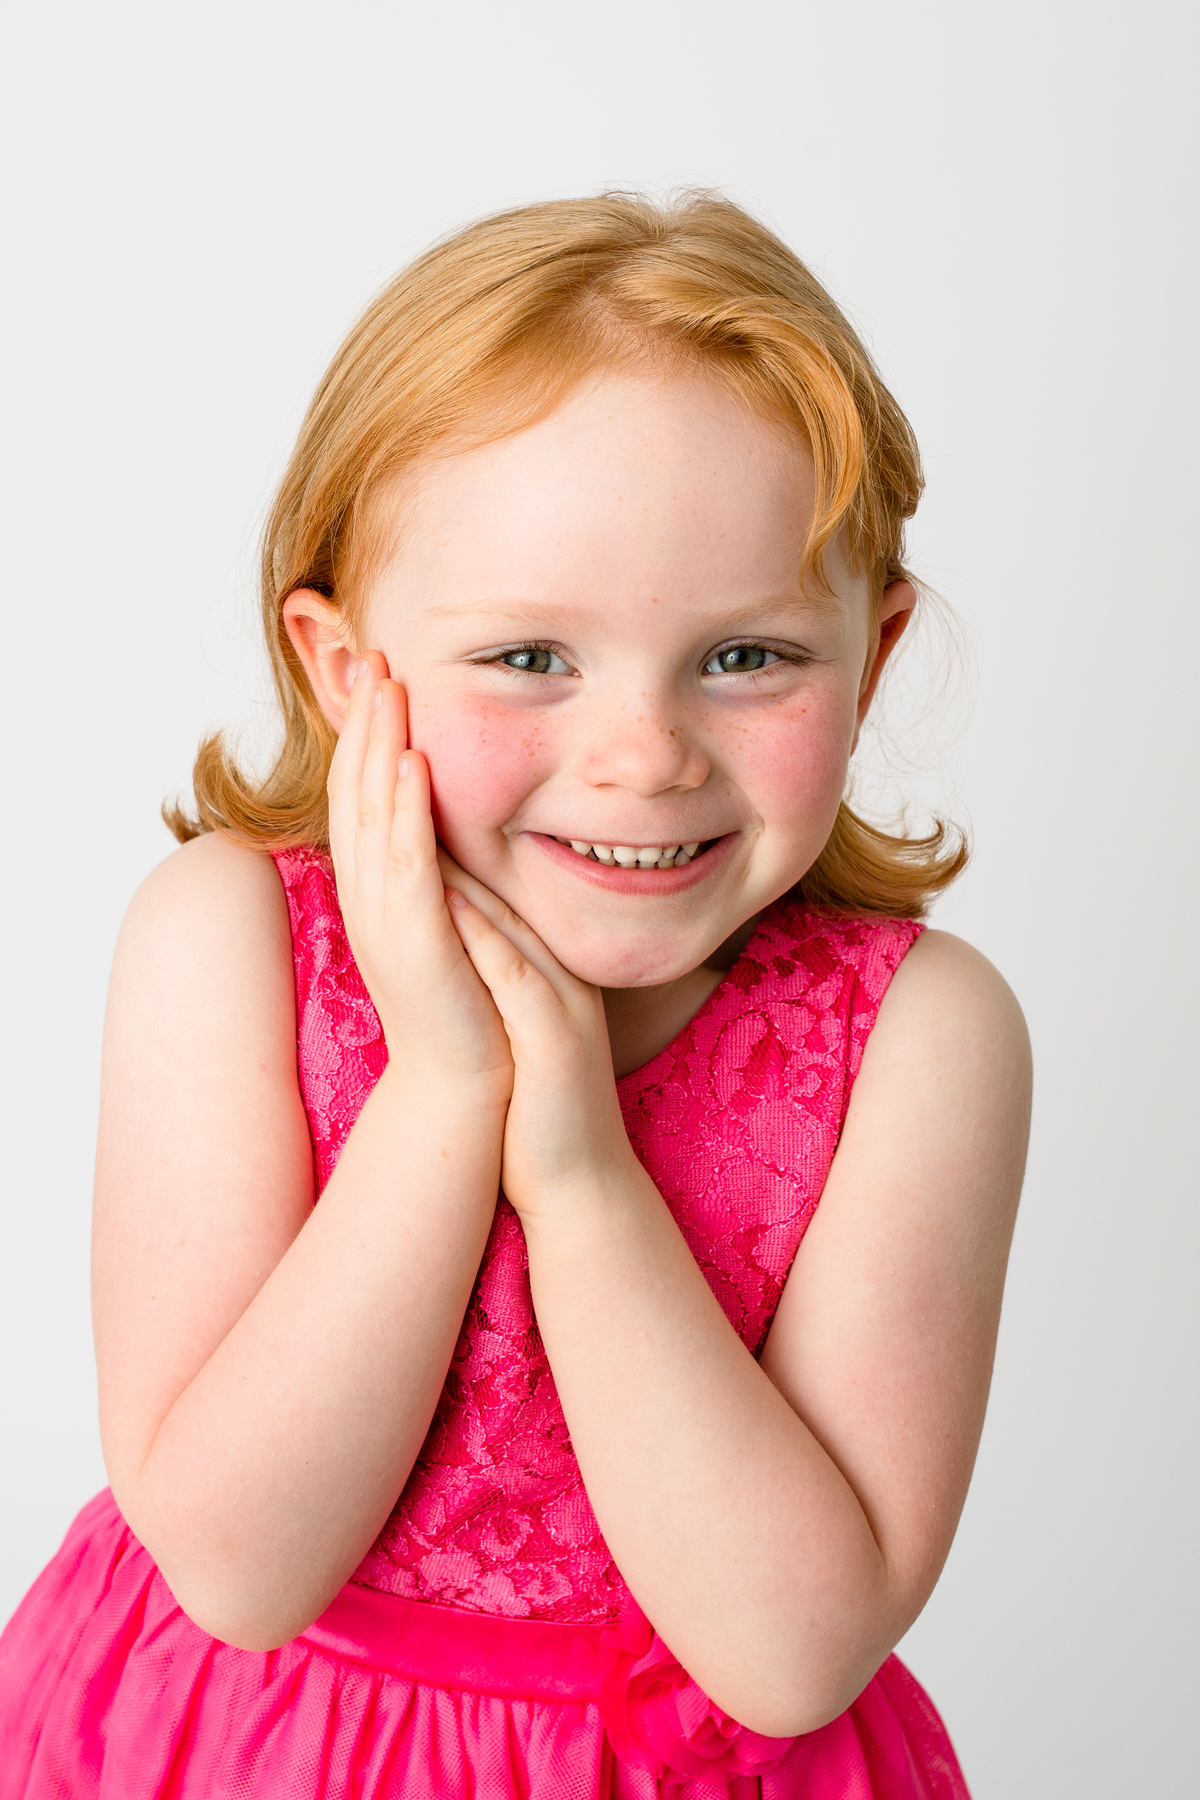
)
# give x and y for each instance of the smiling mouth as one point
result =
(639, 856)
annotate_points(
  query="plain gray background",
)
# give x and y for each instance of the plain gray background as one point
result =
(201, 199)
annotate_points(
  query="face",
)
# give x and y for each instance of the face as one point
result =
(610, 657)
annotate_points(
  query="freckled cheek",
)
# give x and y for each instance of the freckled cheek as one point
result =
(791, 761)
(483, 762)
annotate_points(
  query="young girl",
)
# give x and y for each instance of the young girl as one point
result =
(568, 1447)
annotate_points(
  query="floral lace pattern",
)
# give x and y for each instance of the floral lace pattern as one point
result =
(736, 1121)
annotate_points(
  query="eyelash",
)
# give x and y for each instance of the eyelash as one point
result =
(798, 659)
(497, 661)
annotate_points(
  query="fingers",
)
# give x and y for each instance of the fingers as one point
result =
(379, 817)
(524, 996)
(504, 920)
(545, 1009)
(412, 847)
(346, 768)
(387, 737)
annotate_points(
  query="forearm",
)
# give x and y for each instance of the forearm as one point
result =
(274, 1470)
(736, 1531)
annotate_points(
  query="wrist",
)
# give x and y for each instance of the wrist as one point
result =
(594, 1193)
(427, 1093)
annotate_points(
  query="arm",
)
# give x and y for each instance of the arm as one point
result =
(782, 1524)
(268, 1371)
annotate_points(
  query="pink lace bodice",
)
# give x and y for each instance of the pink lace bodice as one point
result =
(736, 1121)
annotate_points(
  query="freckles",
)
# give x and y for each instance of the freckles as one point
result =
(802, 747)
(484, 760)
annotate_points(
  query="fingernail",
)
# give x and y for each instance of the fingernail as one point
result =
(405, 766)
(376, 700)
(358, 669)
(457, 899)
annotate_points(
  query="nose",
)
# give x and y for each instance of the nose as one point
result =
(642, 745)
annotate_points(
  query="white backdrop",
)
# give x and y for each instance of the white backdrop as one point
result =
(201, 199)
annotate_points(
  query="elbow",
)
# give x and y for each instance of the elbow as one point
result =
(228, 1594)
(241, 1615)
(796, 1694)
(791, 1714)
(820, 1703)
(817, 1667)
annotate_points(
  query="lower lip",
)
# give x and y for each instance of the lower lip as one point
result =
(616, 880)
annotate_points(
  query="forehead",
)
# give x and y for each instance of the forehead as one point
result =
(638, 482)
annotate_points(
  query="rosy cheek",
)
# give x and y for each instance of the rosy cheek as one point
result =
(484, 759)
(789, 759)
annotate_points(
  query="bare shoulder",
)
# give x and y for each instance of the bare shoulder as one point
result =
(201, 1006)
(208, 921)
(947, 1001)
(943, 1096)
(202, 979)
(209, 885)
(944, 966)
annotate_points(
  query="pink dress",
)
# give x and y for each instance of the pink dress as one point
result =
(487, 1647)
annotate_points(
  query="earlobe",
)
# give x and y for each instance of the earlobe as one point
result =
(320, 639)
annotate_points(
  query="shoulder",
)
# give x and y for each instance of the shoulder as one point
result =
(211, 871)
(211, 919)
(208, 889)
(949, 999)
(918, 1011)
(946, 1076)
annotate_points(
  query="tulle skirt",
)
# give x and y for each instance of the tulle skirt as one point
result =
(109, 1692)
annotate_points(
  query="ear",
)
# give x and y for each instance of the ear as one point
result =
(895, 611)
(321, 639)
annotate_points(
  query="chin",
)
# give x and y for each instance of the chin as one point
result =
(625, 965)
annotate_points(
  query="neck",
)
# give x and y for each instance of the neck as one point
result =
(644, 1020)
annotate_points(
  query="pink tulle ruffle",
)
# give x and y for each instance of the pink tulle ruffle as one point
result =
(659, 1719)
(108, 1691)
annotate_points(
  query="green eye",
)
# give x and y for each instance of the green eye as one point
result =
(535, 659)
(740, 659)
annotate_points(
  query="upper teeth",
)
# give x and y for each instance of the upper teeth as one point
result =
(650, 856)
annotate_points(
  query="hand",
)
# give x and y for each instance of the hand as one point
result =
(564, 1127)
(436, 1013)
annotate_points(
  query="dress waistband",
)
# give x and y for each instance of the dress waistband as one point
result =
(519, 1658)
(655, 1716)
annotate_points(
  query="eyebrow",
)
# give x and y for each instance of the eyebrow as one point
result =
(532, 611)
(516, 610)
(824, 605)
